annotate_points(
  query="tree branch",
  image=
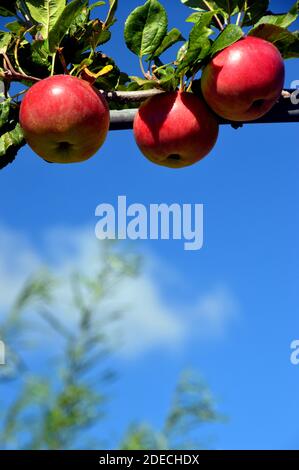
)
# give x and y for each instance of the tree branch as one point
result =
(286, 110)
(130, 96)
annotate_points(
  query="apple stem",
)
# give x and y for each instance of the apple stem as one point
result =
(182, 84)
(53, 64)
(191, 81)
(142, 68)
(62, 60)
(239, 19)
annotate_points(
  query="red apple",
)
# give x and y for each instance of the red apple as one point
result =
(243, 82)
(175, 129)
(64, 119)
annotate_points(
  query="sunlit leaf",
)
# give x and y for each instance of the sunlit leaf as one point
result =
(110, 17)
(171, 38)
(10, 143)
(63, 23)
(230, 35)
(4, 111)
(5, 39)
(200, 4)
(146, 28)
(198, 44)
(286, 41)
(282, 20)
(45, 12)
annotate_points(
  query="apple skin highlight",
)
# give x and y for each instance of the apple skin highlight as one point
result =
(64, 119)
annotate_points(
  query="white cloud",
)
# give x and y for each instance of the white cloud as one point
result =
(147, 322)
(214, 311)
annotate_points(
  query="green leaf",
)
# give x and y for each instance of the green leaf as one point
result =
(145, 28)
(109, 81)
(10, 143)
(291, 50)
(64, 22)
(230, 35)
(229, 6)
(171, 38)
(254, 10)
(80, 21)
(182, 52)
(15, 27)
(200, 4)
(199, 44)
(5, 39)
(112, 10)
(144, 83)
(39, 53)
(4, 112)
(7, 8)
(282, 20)
(168, 80)
(286, 41)
(96, 4)
(46, 13)
(196, 16)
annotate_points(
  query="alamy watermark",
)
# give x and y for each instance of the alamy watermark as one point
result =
(154, 222)
(2, 353)
(294, 358)
(295, 93)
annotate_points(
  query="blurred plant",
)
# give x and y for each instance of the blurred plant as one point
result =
(192, 407)
(59, 406)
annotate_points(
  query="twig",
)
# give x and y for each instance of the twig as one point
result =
(216, 16)
(239, 17)
(17, 57)
(142, 68)
(130, 96)
(11, 74)
(62, 60)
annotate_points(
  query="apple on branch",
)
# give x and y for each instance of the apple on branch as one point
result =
(175, 129)
(64, 119)
(244, 81)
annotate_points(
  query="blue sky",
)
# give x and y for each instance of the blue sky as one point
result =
(244, 280)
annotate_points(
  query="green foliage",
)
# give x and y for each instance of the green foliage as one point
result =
(67, 398)
(198, 44)
(64, 37)
(282, 20)
(253, 10)
(230, 35)
(146, 28)
(11, 136)
(172, 37)
(45, 13)
(5, 39)
(10, 144)
(8, 7)
(200, 4)
(286, 41)
(111, 13)
(68, 395)
(63, 23)
(192, 406)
